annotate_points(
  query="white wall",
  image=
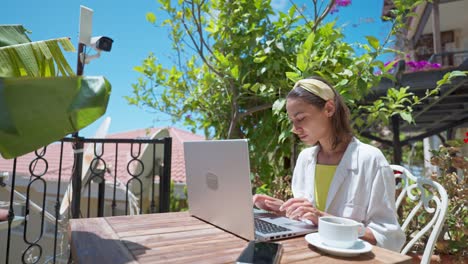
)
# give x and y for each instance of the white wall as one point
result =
(453, 16)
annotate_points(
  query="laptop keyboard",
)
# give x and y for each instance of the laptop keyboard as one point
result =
(268, 228)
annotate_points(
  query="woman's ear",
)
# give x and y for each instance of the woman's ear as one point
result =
(329, 108)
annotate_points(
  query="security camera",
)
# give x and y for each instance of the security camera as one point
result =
(101, 43)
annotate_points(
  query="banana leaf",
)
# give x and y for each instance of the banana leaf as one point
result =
(21, 57)
(37, 111)
(36, 59)
(12, 35)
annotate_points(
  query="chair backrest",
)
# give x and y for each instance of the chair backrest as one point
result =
(422, 191)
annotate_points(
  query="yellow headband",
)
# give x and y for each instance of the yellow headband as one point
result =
(316, 87)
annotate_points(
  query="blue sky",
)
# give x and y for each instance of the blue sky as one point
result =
(134, 38)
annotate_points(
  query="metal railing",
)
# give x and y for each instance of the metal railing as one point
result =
(450, 58)
(121, 178)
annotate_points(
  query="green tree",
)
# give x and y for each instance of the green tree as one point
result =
(231, 60)
(236, 61)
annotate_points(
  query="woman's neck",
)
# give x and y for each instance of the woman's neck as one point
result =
(331, 156)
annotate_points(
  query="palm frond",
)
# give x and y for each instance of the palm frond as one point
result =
(12, 35)
(36, 59)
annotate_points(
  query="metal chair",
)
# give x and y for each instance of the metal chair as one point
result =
(422, 191)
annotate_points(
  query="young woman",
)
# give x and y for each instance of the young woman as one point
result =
(338, 175)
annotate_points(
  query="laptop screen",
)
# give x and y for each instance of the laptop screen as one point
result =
(218, 184)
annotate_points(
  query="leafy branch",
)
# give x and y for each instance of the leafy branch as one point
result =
(402, 102)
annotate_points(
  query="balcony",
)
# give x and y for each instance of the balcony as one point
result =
(120, 177)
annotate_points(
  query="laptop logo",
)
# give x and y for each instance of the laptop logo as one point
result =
(212, 181)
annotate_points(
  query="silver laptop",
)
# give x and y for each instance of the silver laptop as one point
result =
(219, 192)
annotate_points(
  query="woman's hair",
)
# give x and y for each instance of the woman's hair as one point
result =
(341, 127)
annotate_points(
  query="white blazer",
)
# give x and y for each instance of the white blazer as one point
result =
(363, 189)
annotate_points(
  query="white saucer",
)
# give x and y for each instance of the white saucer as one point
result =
(358, 248)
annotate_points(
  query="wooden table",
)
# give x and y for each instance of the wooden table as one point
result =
(178, 237)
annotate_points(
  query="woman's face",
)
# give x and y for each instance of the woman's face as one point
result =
(310, 123)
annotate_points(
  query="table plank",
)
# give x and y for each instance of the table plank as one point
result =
(126, 226)
(156, 240)
(189, 244)
(189, 253)
(94, 241)
(385, 255)
(180, 238)
(299, 250)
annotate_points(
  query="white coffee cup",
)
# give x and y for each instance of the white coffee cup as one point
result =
(339, 232)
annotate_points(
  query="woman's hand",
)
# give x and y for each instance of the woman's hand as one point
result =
(301, 209)
(267, 203)
(3, 215)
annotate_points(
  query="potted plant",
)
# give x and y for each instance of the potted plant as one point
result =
(453, 170)
(451, 246)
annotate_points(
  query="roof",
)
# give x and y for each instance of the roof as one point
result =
(178, 137)
(51, 157)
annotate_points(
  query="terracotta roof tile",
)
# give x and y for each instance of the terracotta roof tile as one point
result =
(51, 158)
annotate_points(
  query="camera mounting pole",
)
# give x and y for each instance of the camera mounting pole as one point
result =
(80, 64)
(100, 43)
(86, 16)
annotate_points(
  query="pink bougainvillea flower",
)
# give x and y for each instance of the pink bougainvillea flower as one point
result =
(421, 65)
(339, 3)
(343, 2)
(417, 65)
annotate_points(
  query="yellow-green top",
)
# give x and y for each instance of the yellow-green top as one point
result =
(323, 178)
